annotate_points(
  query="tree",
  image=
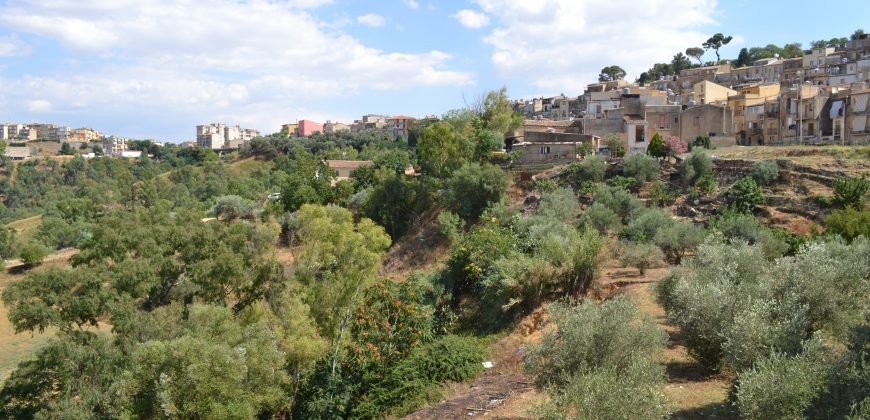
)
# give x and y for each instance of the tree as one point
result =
(696, 166)
(473, 187)
(338, 261)
(680, 62)
(715, 42)
(765, 171)
(679, 238)
(610, 73)
(857, 34)
(66, 150)
(696, 53)
(642, 167)
(743, 58)
(701, 141)
(819, 43)
(848, 223)
(498, 114)
(675, 146)
(641, 256)
(850, 191)
(592, 168)
(32, 254)
(656, 147)
(615, 143)
(442, 149)
(232, 207)
(585, 149)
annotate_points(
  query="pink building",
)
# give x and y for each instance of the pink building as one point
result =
(307, 128)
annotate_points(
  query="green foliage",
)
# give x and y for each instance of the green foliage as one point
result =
(627, 183)
(696, 53)
(441, 149)
(32, 254)
(747, 228)
(764, 172)
(642, 167)
(744, 195)
(641, 256)
(601, 218)
(472, 256)
(678, 239)
(696, 166)
(560, 204)
(7, 242)
(450, 225)
(396, 201)
(618, 200)
(646, 223)
(600, 362)
(700, 141)
(546, 185)
(850, 191)
(474, 187)
(656, 147)
(611, 73)
(848, 223)
(498, 114)
(715, 42)
(615, 143)
(662, 196)
(585, 149)
(592, 168)
(232, 207)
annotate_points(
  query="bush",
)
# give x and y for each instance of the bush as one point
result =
(618, 200)
(607, 393)
(677, 239)
(560, 204)
(782, 387)
(642, 167)
(765, 172)
(656, 147)
(744, 195)
(696, 166)
(546, 185)
(32, 254)
(592, 336)
(585, 149)
(660, 193)
(641, 256)
(471, 256)
(629, 184)
(746, 227)
(848, 223)
(601, 218)
(591, 168)
(57, 233)
(7, 242)
(473, 187)
(646, 224)
(450, 225)
(233, 207)
(850, 191)
(705, 185)
(700, 141)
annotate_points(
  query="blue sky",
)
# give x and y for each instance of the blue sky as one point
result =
(157, 68)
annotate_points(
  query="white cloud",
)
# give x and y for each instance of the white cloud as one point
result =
(11, 46)
(471, 19)
(371, 19)
(202, 59)
(39, 105)
(413, 4)
(562, 44)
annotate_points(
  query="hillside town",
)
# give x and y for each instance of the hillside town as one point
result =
(819, 97)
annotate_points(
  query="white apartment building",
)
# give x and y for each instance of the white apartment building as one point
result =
(222, 136)
(114, 145)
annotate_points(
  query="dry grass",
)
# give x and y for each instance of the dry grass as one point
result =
(247, 166)
(25, 229)
(849, 159)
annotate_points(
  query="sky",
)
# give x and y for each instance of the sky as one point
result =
(157, 68)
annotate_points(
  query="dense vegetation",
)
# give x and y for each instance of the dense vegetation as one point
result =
(195, 293)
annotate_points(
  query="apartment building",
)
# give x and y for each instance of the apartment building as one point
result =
(706, 92)
(663, 119)
(290, 129)
(10, 131)
(222, 136)
(114, 145)
(857, 116)
(712, 120)
(334, 127)
(84, 135)
(399, 125)
(749, 117)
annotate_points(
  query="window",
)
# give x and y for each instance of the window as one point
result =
(545, 150)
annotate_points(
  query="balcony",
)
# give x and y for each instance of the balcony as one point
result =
(771, 114)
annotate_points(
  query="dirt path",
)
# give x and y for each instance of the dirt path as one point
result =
(695, 391)
(486, 395)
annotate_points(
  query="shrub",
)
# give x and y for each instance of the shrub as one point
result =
(705, 185)
(32, 254)
(629, 184)
(744, 195)
(601, 218)
(560, 204)
(54, 232)
(546, 185)
(849, 223)
(591, 168)
(607, 393)
(677, 239)
(233, 207)
(585, 149)
(656, 147)
(450, 225)
(701, 141)
(592, 336)
(646, 224)
(765, 172)
(641, 256)
(642, 167)
(471, 256)
(7, 242)
(615, 142)
(675, 146)
(782, 387)
(850, 191)
(618, 200)
(660, 193)
(473, 187)
(696, 166)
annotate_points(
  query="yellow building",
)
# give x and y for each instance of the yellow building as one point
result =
(749, 112)
(84, 135)
(707, 92)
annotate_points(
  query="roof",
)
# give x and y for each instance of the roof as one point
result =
(548, 123)
(401, 117)
(545, 143)
(348, 164)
